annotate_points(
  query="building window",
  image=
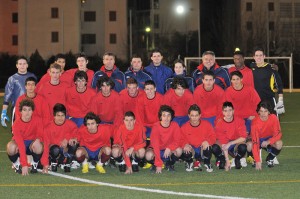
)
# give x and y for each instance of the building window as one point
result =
(156, 21)
(54, 37)
(112, 38)
(88, 38)
(15, 40)
(15, 17)
(54, 13)
(89, 16)
(155, 4)
(271, 26)
(249, 6)
(285, 10)
(271, 6)
(249, 25)
(112, 16)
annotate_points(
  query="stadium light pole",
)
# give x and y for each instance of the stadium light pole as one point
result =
(147, 29)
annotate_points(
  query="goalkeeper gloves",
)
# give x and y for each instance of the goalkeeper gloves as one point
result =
(279, 108)
(4, 117)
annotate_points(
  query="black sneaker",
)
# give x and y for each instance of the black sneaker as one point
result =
(237, 163)
(54, 167)
(34, 167)
(112, 163)
(153, 168)
(122, 167)
(135, 167)
(222, 164)
(18, 169)
(170, 168)
(67, 168)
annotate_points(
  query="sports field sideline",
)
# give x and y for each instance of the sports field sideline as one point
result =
(282, 181)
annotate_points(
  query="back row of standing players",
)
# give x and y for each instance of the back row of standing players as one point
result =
(115, 99)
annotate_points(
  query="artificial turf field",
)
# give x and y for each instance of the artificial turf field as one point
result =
(282, 181)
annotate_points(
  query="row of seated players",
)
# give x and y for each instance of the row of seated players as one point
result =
(195, 141)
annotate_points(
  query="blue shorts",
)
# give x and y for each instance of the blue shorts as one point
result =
(27, 144)
(263, 139)
(104, 122)
(93, 155)
(197, 152)
(148, 132)
(248, 125)
(77, 121)
(210, 120)
(181, 120)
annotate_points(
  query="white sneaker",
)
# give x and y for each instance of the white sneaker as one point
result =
(75, 164)
(232, 163)
(91, 166)
(208, 167)
(275, 161)
(243, 162)
(189, 166)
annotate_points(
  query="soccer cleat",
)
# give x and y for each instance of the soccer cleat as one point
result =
(34, 167)
(67, 168)
(135, 166)
(232, 162)
(18, 168)
(270, 163)
(243, 162)
(189, 166)
(170, 168)
(75, 164)
(209, 168)
(276, 161)
(100, 168)
(92, 164)
(197, 164)
(222, 165)
(237, 163)
(147, 166)
(54, 166)
(122, 167)
(153, 168)
(250, 159)
(85, 168)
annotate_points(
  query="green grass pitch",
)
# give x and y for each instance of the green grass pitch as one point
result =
(282, 181)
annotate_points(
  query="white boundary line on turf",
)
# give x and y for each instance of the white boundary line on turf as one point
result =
(290, 122)
(142, 189)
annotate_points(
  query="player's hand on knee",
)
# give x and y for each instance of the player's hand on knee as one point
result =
(4, 117)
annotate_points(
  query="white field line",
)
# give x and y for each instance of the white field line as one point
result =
(141, 189)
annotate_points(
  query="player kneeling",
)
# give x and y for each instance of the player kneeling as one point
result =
(94, 140)
(130, 141)
(265, 133)
(60, 140)
(27, 135)
(231, 136)
(165, 141)
(197, 138)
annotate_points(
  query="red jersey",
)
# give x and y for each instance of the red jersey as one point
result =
(162, 138)
(135, 138)
(47, 78)
(244, 101)
(148, 109)
(263, 129)
(53, 93)
(210, 102)
(70, 76)
(129, 103)
(54, 134)
(22, 131)
(77, 103)
(39, 110)
(107, 108)
(228, 131)
(179, 104)
(196, 135)
(247, 75)
(93, 141)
